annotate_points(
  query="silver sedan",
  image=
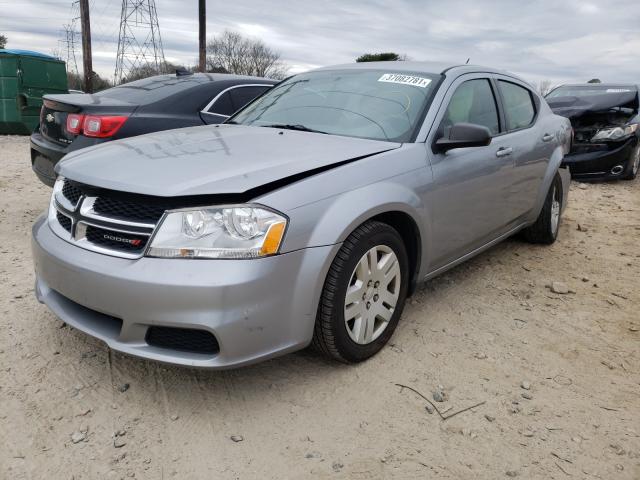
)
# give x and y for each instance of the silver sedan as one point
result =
(308, 218)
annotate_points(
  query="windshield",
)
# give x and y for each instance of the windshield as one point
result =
(374, 104)
(586, 91)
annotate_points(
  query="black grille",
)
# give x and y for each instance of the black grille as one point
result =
(123, 242)
(64, 221)
(71, 192)
(129, 211)
(183, 339)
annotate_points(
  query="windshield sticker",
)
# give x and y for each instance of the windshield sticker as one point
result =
(617, 90)
(405, 80)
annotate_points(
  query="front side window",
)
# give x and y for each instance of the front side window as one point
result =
(375, 104)
(518, 105)
(473, 102)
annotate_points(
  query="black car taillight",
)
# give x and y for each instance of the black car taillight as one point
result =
(74, 123)
(102, 126)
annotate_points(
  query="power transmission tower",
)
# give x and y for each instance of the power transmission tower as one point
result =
(139, 41)
(68, 47)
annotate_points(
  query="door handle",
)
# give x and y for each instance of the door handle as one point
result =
(547, 137)
(504, 151)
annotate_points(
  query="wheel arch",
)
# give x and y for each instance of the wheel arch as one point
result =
(408, 229)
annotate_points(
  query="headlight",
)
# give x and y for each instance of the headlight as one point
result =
(615, 133)
(233, 231)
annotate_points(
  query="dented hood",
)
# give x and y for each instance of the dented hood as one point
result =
(572, 107)
(211, 160)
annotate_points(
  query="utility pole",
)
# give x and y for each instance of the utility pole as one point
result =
(202, 15)
(86, 46)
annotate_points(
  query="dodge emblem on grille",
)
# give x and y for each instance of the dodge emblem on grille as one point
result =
(131, 241)
(50, 118)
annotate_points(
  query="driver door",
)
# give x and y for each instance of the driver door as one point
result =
(470, 198)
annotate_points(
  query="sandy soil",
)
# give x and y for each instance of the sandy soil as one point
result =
(481, 331)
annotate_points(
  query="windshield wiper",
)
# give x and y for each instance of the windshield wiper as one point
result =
(287, 126)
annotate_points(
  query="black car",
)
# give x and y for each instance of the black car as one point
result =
(74, 121)
(605, 118)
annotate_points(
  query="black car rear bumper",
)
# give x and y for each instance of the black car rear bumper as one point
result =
(45, 154)
(600, 162)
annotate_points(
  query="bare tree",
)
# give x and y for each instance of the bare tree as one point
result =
(237, 54)
(544, 87)
(3, 41)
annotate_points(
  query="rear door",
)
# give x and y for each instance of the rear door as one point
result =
(531, 139)
(469, 202)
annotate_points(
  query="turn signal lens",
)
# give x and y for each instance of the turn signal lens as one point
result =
(273, 238)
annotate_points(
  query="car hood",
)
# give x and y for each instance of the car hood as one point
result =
(572, 107)
(208, 160)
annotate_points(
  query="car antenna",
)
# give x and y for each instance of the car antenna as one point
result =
(467, 62)
(182, 72)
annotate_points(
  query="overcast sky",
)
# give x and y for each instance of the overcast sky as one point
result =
(563, 41)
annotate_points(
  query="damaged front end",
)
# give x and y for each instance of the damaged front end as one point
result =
(606, 135)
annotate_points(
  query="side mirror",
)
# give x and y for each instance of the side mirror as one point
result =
(464, 135)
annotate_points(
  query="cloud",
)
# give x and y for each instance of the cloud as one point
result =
(569, 41)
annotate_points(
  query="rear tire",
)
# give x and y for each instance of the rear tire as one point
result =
(545, 230)
(634, 164)
(363, 295)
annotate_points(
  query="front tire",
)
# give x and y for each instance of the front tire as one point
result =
(545, 230)
(634, 164)
(363, 295)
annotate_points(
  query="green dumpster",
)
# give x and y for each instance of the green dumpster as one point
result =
(24, 78)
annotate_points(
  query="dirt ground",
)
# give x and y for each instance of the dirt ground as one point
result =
(71, 409)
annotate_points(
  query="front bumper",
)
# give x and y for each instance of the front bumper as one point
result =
(596, 163)
(256, 309)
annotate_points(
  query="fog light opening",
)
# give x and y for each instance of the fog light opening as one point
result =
(617, 170)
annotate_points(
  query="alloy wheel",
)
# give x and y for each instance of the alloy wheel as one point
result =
(372, 294)
(555, 210)
(636, 161)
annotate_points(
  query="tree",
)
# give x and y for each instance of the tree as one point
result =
(381, 57)
(3, 41)
(75, 82)
(234, 53)
(149, 70)
(595, 80)
(544, 87)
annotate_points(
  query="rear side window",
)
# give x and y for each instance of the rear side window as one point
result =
(240, 96)
(223, 105)
(473, 102)
(518, 105)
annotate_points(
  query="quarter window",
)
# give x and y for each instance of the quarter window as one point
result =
(518, 105)
(473, 102)
(222, 106)
(242, 95)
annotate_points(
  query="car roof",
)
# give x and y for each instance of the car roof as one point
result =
(204, 78)
(425, 67)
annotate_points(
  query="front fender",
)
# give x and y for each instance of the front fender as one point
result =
(344, 213)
